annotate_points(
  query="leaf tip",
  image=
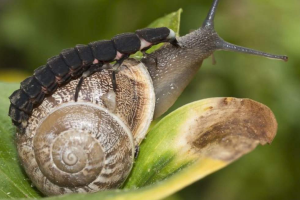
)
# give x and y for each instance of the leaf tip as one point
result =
(227, 128)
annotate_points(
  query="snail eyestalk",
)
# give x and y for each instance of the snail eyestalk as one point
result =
(209, 21)
(223, 45)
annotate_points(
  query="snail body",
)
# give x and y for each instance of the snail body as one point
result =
(86, 144)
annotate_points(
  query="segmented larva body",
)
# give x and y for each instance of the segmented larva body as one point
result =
(71, 63)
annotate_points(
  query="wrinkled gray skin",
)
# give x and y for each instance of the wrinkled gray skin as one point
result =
(176, 66)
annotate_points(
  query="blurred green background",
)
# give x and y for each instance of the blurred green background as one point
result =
(32, 31)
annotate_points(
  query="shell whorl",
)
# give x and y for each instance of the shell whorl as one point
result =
(87, 146)
(71, 152)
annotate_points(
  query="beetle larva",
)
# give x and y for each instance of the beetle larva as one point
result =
(72, 63)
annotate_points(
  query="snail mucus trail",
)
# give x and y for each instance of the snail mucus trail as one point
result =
(142, 93)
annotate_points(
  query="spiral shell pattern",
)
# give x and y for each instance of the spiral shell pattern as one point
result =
(87, 146)
(79, 147)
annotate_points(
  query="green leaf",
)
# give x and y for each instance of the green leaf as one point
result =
(199, 138)
(13, 182)
(172, 21)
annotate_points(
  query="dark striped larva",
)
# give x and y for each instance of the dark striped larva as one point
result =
(72, 63)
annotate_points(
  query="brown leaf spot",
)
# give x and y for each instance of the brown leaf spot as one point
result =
(233, 128)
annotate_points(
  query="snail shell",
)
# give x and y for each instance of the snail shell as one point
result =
(89, 145)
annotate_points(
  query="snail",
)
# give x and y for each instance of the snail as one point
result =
(86, 143)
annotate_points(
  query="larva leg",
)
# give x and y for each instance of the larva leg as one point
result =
(90, 71)
(116, 69)
(114, 81)
(116, 66)
(143, 51)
